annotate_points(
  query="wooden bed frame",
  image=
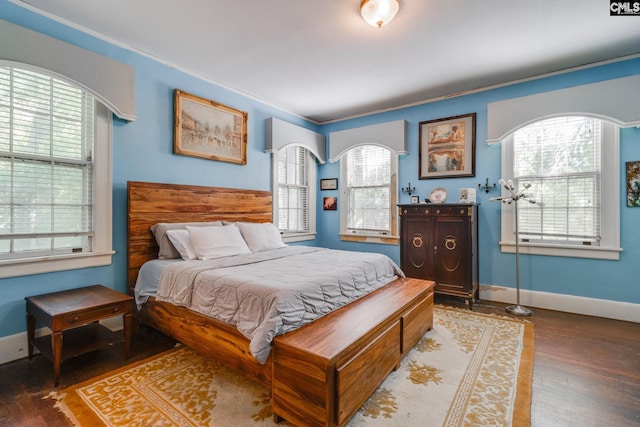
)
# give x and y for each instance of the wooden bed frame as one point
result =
(399, 314)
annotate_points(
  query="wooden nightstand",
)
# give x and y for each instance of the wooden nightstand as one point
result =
(74, 315)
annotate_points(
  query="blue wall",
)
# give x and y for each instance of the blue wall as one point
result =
(610, 280)
(143, 150)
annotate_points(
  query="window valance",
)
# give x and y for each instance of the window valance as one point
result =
(391, 135)
(111, 82)
(615, 100)
(280, 134)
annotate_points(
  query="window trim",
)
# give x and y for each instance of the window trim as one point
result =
(609, 248)
(289, 237)
(370, 237)
(102, 251)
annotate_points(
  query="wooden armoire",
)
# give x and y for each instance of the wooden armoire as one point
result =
(439, 242)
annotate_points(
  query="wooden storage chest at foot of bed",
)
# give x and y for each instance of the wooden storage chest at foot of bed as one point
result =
(324, 371)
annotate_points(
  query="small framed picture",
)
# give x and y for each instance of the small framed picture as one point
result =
(330, 204)
(415, 199)
(329, 184)
(633, 183)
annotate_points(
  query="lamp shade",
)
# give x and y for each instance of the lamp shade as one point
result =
(379, 12)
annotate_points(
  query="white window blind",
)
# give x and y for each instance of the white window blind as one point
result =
(560, 159)
(293, 189)
(46, 165)
(368, 173)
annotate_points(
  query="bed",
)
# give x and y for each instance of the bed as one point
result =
(403, 302)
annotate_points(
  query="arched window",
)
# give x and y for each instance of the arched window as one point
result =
(295, 150)
(570, 165)
(294, 192)
(55, 175)
(368, 159)
(369, 194)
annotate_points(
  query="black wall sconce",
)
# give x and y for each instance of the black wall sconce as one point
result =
(409, 189)
(486, 187)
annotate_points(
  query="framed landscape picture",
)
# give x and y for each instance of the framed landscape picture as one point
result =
(447, 147)
(208, 129)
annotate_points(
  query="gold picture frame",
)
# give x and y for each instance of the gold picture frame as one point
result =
(208, 129)
(448, 147)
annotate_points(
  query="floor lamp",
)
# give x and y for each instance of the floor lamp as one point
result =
(513, 197)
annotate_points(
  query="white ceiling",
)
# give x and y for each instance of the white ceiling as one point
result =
(321, 60)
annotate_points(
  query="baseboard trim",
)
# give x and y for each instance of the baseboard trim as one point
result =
(14, 347)
(568, 303)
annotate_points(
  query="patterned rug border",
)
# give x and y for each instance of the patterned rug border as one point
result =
(73, 407)
(475, 313)
(522, 403)
(70, 404)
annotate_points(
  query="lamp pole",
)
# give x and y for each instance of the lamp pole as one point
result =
(517, 309)
(514, 197)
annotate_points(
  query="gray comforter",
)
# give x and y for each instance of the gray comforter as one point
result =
(268, 293)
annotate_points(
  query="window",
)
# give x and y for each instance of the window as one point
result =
(55, 175)
(570, 165)
(295, 211)
(369, 196)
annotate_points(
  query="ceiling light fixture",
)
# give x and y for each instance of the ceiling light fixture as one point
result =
(379, 12)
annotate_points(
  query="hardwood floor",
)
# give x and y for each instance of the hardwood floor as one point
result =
(586, 372)
(24, 383)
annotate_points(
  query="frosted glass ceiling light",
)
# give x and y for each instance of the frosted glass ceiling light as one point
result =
(379, 12)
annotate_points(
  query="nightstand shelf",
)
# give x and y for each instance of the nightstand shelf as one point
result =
(78, 341)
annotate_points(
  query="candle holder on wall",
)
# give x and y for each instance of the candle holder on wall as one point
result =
(486, 187)
(409, 189)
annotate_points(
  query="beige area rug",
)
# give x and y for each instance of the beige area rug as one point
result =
(470, 370)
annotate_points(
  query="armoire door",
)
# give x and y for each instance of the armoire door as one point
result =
(417, 247)
(452, 253)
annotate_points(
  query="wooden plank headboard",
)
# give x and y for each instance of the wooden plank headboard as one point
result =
(149, 203)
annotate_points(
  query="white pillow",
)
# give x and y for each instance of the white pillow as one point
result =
(182, 242)
(166, 250)
(261, 236)
(216, 242)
